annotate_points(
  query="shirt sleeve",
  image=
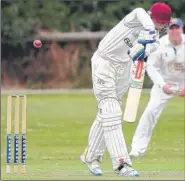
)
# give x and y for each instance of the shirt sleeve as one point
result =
(154, 67)
(139, 17)
(144, 18)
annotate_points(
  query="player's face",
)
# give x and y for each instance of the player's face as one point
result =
(175, 32)
(159, 26)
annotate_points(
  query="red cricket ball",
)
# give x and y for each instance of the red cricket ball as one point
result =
(37, 43)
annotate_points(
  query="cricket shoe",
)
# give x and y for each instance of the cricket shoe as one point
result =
(126, 171)
(94, 167)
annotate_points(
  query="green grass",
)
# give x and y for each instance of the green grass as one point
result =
(57, 131)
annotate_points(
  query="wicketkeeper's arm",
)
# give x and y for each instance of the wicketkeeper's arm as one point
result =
(153, 69)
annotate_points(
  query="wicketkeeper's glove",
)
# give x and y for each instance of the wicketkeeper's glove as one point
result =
(136, 51)
(147, 36)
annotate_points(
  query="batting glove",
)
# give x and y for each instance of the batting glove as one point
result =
(150, 48)
(136, 51)
(147, 36)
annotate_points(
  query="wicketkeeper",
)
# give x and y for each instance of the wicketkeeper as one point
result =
(166, 68)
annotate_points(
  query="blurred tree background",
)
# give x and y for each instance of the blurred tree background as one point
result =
(58, 63)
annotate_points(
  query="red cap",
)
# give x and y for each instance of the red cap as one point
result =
(161, 12)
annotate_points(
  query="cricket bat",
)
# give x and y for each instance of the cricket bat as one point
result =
(135, 91)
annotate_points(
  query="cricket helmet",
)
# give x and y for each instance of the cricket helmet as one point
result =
(161, 13)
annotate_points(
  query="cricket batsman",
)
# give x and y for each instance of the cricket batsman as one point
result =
(111, 73)
(168, 81)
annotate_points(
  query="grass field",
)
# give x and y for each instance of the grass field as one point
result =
(57, 130)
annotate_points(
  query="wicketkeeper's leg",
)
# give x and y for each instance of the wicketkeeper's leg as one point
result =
(148, 121)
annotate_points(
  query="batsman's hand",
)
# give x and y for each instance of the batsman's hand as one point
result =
(181, 91)
(150, 48)
(136, 51)
(147, 36)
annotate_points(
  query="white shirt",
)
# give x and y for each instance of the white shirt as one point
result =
(167, 63)
(115, 45)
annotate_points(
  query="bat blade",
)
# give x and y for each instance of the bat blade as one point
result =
(134, 92)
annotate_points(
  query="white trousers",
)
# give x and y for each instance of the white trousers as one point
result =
(110, 83)
(158, 101)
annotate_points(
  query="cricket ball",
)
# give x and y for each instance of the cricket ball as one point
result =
(37, 43)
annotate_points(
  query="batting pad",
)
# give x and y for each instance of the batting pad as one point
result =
(96, 145)
(110, 114)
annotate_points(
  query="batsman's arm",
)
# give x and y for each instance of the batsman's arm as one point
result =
(148, 33)
(144, 18)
